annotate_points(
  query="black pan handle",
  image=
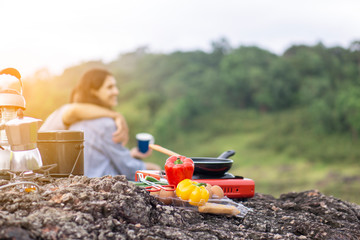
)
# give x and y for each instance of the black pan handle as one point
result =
(227, 154)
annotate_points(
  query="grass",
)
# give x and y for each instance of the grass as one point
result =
(277, 151)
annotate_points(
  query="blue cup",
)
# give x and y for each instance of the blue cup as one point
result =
(143, 140)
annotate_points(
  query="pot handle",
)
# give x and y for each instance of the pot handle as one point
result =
(81, 148)
(15, 73)
(227, 154)
(162, 150)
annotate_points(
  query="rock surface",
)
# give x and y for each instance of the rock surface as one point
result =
(112, 208)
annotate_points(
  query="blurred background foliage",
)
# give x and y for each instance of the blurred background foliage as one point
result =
(293, 119)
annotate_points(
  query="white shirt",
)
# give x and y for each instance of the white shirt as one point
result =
(54, 120)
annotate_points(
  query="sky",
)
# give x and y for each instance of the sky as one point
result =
(40, 34)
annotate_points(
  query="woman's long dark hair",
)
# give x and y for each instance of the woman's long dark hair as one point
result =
(92, 79)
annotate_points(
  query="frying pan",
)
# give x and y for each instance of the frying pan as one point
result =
(213, 166)
(204, 165)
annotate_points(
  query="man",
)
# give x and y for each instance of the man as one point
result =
(73, 112)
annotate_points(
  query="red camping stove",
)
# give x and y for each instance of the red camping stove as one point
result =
(233, 186)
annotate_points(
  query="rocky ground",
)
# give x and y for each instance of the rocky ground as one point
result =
(112, 208)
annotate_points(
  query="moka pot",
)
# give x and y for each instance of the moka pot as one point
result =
(22, 138)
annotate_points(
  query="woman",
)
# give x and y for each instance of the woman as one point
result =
(103, 156)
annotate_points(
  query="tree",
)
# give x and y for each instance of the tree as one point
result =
(245, 75)
(348, 104)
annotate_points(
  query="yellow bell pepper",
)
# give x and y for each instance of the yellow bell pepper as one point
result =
(192, 191)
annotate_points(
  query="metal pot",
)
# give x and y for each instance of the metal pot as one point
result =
(22, 133)
(63, 148)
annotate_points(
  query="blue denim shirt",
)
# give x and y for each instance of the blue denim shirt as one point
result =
(101, 155)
